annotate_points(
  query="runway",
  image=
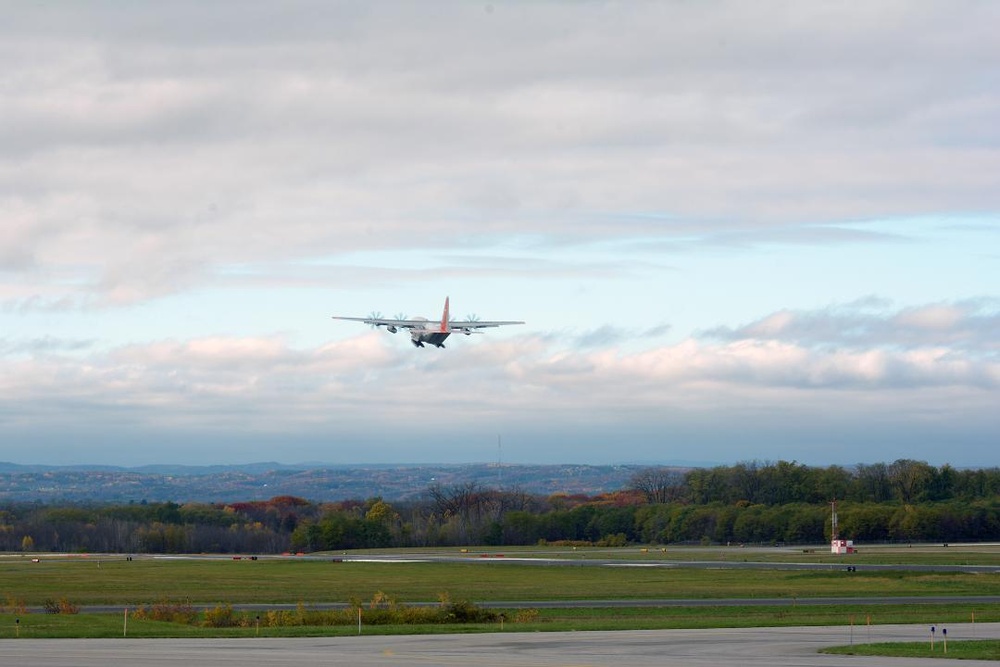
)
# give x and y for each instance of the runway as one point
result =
(770, 647)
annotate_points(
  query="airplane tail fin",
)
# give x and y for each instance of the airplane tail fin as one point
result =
(444, 317)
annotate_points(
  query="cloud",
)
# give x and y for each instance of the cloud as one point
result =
(969, 325)
(375, 388)
(44, 345)
(612, 336)
(601, 337)
(803, 235)
(150, 147)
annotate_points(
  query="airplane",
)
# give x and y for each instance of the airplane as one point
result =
(423, 330)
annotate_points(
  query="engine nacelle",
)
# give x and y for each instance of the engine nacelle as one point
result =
(391, 329)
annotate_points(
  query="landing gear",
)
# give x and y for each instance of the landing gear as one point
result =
(416, 343)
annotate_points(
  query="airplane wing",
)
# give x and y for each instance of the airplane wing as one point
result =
(385, 322)
(470, 326)
(439, 328)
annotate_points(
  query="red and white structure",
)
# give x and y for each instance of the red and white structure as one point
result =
(842, 546)
(837, 545)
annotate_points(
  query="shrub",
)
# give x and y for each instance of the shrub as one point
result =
(60, 606)
(565, 543)
(616, 540)
(463, 611)
(526, 616)
(168, 611)
(221, 616)
(14, 605)
(384, 610)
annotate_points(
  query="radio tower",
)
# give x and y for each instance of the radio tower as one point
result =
(833, 522)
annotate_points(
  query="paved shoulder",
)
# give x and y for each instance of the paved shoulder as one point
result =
(747, 647)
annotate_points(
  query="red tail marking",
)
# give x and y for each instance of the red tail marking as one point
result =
(444, 318)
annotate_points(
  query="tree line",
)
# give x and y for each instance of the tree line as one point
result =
(749, 503)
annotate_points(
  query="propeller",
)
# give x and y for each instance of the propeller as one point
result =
(400, 316)
(469, 319)
(374, 315)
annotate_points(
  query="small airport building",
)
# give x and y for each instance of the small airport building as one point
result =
(842, 546)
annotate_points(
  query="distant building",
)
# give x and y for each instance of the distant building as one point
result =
(842, 546)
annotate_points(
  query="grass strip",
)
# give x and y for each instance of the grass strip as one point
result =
(540, 620)
(143, 581)
(984, 649)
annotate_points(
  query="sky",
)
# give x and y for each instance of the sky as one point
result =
(735, 231)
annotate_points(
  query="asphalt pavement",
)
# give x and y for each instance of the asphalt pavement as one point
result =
(746, 647)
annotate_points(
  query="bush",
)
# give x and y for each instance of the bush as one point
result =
(526, 616)
(221, 616)
(463, 611)
(279, 618)
(165, 610)
(616, 540)
(60, 606)
(384, 610)
(15, 605)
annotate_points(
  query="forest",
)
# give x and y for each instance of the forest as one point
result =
(747, 503)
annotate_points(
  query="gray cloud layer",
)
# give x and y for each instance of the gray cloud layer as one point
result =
(350, 391)
(970, 326)
(148, 146)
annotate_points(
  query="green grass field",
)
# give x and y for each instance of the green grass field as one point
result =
(543, 620)
(960, 650)
(87, 581)
(96, 580)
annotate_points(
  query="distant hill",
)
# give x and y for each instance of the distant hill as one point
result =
(260, 481)
(158, 469)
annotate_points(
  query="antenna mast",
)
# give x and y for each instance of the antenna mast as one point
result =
(833, 523)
